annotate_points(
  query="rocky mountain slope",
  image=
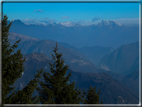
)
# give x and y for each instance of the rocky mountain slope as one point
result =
(77, 61)
(38, 54)
(122, 59)
(112, 91)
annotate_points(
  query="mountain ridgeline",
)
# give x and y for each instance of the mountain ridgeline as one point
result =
(105, 33)
(112, 91)
(94, 54)
(105, 56)
(76, 61)
(115, 88)
(123, 60)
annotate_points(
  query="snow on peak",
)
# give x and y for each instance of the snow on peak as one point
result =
(114, 23)
(68, 24)
(111, 22)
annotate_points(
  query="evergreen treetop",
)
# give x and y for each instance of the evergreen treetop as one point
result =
(12, 68)
(25, 96)
(92, 97)
(12, 63)
(55, 89)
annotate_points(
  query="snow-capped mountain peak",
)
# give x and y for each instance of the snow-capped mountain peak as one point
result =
(68, 24)
(109, 23)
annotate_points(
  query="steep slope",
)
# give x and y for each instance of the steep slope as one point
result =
(33, 62)
(78, 64)
(116, 76)
(24, 46)
(132, 80)
(75, 60)
(112, 91)
(122, 59)
(96, 53)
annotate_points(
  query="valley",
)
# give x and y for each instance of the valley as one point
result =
(71, 52)
(84, 72)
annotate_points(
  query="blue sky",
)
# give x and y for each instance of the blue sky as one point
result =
(82, 13)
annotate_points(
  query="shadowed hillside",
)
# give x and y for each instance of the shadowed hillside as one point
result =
(76, 61)
(122, 59)
(112, 91)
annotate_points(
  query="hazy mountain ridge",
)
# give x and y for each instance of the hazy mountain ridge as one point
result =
(112, 91)
(121, 60)
(96, 53)
(83, 80)
(109, 23)
(132, 80)
(102, 34)
(33, 62)
(75, 60)
(124, 60)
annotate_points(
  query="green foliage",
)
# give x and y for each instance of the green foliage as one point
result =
(91, 97)
(12, 63)
(55, 89)
(12, 68)
(26, 93)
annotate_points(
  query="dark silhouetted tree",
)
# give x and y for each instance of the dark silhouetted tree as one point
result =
(12, 68)
(56, 88)
(24, 96)
(12, 63)
(92, 97)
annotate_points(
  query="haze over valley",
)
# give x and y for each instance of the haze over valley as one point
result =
(86, 70)
(99, 43)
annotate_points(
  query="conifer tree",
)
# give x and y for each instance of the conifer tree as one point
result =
(12, 68)
(12, 63)
(25, 96)
(55, 89)
(91, 97)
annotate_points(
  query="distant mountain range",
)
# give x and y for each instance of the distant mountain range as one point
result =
(75, 60)
(94, 54)
(119, 61)
(106, 33)
(115, 88)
